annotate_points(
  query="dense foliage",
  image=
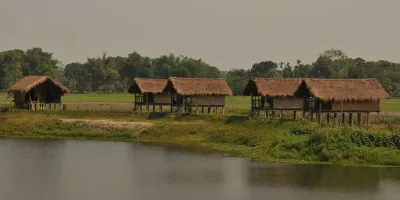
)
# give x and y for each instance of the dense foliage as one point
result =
(114, 74)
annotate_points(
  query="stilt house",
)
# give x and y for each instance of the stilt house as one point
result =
(31, 91)
(204, 93)
(271, 94)
(148, 93)
(341, 95)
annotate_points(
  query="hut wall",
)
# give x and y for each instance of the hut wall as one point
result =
(208, 100)
(19, 97)
(288, 103)
(162, 99)
(357, 106)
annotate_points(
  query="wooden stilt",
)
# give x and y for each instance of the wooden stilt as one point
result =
(294, 115)
(368, 115)
(319, 117)
(223, 110)
(343, 118)
(335, 119)
(281, 114)
(202, 109)
(359, 119)
(327, 118)
(351, 118)
(312, 116)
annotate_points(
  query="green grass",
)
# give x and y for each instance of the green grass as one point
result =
(234, 104)
(274, 140)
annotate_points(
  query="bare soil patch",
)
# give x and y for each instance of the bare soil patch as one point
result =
(108, 124)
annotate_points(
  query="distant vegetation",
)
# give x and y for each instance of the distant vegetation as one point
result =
(113, 74)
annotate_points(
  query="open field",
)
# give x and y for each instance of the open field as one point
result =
(124, 102)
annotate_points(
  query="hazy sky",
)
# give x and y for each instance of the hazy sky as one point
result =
(225, 33)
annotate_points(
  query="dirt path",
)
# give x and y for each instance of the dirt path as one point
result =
(107, 124)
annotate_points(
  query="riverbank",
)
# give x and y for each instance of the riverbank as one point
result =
(266, 141)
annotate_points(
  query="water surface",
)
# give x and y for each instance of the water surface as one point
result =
(66, 170)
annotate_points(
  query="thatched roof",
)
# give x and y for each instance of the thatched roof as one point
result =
(25, 84)
(147, 85)
(273, 87)
(198, 86)
(343, 89)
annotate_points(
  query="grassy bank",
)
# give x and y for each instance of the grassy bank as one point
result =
(281, 141)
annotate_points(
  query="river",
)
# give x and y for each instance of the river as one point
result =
(68, 169)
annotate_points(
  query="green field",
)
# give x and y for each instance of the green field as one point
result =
(236, 102)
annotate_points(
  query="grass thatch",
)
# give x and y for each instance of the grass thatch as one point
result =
(273, 87)
(147, 85)
(198, 86)
(28, 82)
(342, 89)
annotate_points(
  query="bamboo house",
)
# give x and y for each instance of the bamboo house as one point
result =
(31, 91)
(341, 95)
(272, 94)
(148, 92)
(189, 93)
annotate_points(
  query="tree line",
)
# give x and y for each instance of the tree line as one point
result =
(110, 74)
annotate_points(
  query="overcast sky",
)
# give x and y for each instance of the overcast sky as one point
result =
(225, 33)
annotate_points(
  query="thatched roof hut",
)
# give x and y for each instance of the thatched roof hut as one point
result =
(198, 86)
(147, 85)
(273, 94)
(149, 92)
(32, 90)
(342, 89)
(272, 87)
(25, 84)
(349, 95)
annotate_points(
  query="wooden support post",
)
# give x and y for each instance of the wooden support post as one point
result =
(202, 109)
(312, 116)
(161, 108)
(319, 117)
(273, 114)
(281, 114)
(359, 119)
(327, 118)
(294, 115)
(216, 110)
(141, 106)
(209, 109)
(265, 107)
(368, 115)
(335, 119)
(183, 105)
(223, 110)
(154, 107)
(350, 118)
(343, 119)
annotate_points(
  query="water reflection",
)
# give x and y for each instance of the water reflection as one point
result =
(114, 170)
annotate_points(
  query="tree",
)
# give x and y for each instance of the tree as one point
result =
(322, 68)
(333, 54)
(267, 69)
(237, 80)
